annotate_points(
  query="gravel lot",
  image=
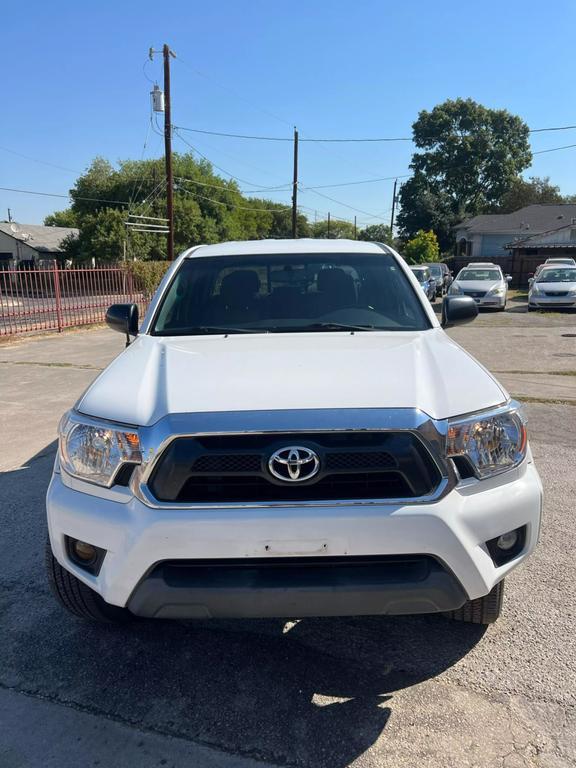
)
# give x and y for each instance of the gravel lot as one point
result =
(388, 692)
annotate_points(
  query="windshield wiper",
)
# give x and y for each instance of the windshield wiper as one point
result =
(324, 327)
(209, 329)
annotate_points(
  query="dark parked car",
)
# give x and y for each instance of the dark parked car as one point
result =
(442, 277)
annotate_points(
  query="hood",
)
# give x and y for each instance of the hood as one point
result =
(565, 286)
(477, 285)
(156, 376)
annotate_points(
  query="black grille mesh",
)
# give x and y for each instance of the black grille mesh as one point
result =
(227, 463)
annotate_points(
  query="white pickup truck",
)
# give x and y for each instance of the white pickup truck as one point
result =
(291, 433)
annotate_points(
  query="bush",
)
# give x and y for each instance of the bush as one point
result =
(147, 274)
(422, 249)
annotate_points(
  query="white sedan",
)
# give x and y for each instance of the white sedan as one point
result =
(553, 288)
(485, 283)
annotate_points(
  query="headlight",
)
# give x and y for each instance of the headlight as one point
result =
(455, 289)
(95, 452)
(498, 290)
(572, 292)
(535, 291)
(492, 442)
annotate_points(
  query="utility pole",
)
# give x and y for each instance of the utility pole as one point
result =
(168, 153)
(9, 215)
(393, 208)
(295, 188)
(328, 233)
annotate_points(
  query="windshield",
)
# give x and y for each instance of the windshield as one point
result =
(281, 293)
(479, 274)
(435, 270)
(421, 275)
(565, 275)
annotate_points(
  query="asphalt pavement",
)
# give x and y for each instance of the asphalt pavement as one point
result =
(376, 691)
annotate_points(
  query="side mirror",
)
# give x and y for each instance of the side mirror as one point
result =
(508, 278)
(458, 309)
(123, 318)
(530, 282)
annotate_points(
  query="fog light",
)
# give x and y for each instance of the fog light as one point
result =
(89, 557)
(507, 540)
(86, 552)
(507, 546)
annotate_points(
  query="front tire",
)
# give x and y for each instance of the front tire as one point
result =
(483, 610)
(79, 599)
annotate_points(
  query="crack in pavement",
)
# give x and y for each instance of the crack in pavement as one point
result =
(79, 366)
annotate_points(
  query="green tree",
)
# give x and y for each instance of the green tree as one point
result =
(524, 192)
(426, 206)
(65, 218)
(337, 230)
(377, 233)
(422, 248)
(467, 158)
(207, 209)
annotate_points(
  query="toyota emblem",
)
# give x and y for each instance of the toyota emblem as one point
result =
(294, 464)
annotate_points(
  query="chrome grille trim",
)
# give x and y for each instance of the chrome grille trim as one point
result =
(155, 439)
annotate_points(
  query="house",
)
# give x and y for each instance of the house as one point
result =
(27, 244)
(557, 242)
(489, 236)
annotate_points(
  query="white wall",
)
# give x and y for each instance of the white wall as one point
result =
(20, 251)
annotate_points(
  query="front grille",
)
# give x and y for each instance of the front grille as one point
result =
(353, 465)
(475, 294)
(556, 293)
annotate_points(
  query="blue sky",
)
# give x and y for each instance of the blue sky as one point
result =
(74, 87)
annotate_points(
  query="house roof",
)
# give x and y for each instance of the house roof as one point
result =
(530, 219)
(41, 238)
(540, 240)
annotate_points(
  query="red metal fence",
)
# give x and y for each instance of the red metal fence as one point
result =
(50, 299)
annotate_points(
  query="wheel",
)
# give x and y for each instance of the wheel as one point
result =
(483, 610)
(79, 599)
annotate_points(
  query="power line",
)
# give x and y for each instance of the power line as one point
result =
(283, 188)
(339, 202)
(554, 149)
(286, 138)
(363, 181)
(333, 140)
(42, 162)
(70, 197)
(223, 170)
(561, 128)
(286, 209)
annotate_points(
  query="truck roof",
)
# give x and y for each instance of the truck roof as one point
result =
(304, 245)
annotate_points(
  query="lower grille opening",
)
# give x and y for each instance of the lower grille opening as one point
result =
(270, 572)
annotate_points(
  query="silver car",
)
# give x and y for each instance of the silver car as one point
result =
(553, 288)
(485, 283)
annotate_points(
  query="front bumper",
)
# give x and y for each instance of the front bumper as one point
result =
(141, 542)
(491, 301)
(552, 302)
